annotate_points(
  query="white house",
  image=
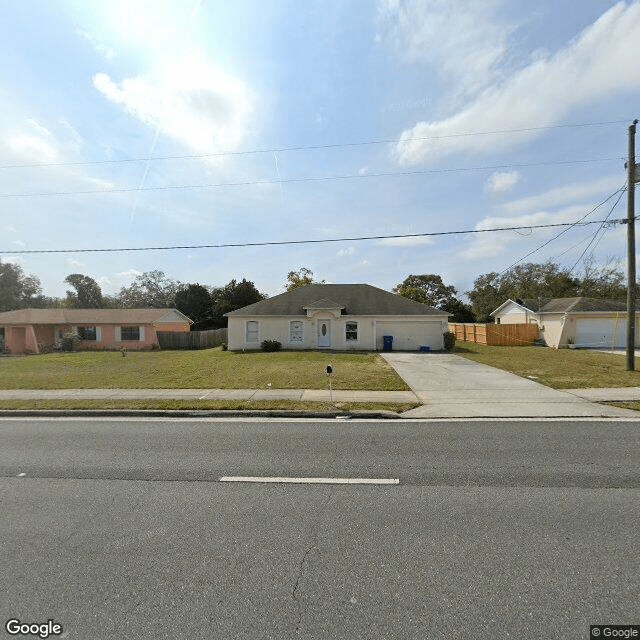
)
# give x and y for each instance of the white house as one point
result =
(340, 317)
(585, 322)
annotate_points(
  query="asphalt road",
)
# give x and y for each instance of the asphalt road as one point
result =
(122, 529)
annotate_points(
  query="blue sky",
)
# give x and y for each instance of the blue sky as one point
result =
(474, 97)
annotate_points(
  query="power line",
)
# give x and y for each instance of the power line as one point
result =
(381, 174)
(319, 241)
(314, 147)
(577, 223)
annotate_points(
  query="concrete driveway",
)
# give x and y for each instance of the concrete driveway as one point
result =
(452, 386)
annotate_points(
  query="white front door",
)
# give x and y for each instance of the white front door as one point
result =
(324, 333)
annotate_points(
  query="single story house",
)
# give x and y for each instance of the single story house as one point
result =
(32, 330)
(337, 316)
(585, 322)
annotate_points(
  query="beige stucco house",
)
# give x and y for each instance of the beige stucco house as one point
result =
(34, 330)
(337, 316)
(585, 322)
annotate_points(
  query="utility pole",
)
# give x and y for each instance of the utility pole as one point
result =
(631, 249)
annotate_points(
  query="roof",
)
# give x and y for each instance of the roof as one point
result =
(355, 299)
(91, 316)
(567, 305)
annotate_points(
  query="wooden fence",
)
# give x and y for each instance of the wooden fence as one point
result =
(496, 334)
(191, 339)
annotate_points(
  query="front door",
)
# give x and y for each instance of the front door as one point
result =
(324, 333)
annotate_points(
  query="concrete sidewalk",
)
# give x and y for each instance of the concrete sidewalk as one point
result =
(452, 386)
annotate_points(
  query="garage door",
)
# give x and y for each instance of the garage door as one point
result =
(607, 333)
(408, 336)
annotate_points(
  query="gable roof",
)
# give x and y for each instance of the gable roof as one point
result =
(566, 305)
(92, 316)
(355, 299)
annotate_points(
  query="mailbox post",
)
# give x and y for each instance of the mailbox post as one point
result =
(330, 373)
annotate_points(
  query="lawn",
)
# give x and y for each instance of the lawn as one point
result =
(557, 368)
(205, 369)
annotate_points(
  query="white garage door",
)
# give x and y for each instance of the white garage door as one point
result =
(607, 333)
(408, 336)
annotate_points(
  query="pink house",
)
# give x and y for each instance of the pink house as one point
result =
(32, 330)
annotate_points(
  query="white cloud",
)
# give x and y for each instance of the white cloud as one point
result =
(591, 68)
(32, 148)
(348, 251)
(561, 195)
(19, 243)
(73, 263)
(105, 51)
(192, 102)
(502, 181)
(464, 41)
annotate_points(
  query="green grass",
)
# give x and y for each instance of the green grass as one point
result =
(625, 405)
(200, 405)
(556, 368)
(206, 369)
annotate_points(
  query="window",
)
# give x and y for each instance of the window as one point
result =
(129, 333)
(87, 333)
(252, 331)
(296, 331)
(351, 331)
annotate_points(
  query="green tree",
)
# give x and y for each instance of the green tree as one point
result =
(88, 294)
(195, 302)
(151, 289)
(232, 296)
(17, 290)
(299, 278)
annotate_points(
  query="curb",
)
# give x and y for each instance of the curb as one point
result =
(158, 413)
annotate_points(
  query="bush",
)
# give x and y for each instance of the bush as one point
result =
(449, 340)
(224, 346)
(69, 341)
(271, 345)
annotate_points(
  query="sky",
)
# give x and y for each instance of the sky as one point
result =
(156, 123)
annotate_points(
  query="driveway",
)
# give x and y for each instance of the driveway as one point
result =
(452, 386)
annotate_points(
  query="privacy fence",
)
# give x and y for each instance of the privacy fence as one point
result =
(192, 339)
(496, 334)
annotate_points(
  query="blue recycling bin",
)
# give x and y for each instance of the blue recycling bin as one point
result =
(387, 343)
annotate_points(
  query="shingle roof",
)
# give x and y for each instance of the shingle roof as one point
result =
(87, 316)
(357, 300)
(566, 305)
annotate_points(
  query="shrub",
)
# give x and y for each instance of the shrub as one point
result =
(449, 340)
(69, 341)
(224, 346)
(271, 345)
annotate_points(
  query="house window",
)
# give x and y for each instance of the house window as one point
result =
(87, 333)
(351, 329)
(129, 333)
(252, 331)
(296, 331)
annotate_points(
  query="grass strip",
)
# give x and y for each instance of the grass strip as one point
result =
(234, 405)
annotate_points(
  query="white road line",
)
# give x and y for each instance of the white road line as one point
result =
(311, 480)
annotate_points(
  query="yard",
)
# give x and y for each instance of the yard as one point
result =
(556, 368)
(206, 369)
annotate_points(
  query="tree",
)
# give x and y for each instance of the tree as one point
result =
(195, 302)
(17, 290)
(300, 278)
(485, 296)
(430, 289)
(603, 281)
(151, 289)
(232, 296)
(88, 294)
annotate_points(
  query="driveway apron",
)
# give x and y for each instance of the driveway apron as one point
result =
(452, 386)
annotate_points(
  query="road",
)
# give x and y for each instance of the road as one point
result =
(121, 528)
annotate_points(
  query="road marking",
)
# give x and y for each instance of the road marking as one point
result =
(311, 480)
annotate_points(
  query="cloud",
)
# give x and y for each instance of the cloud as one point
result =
(202, 107)
(464, 41)
(348, 251)
(502, 181)
(72, 263)
(589, 69)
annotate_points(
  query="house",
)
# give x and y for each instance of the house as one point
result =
(32, 330)
(337, 316)
(585, 322)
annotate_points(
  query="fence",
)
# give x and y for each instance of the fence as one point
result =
(191, 339)
(496, 334)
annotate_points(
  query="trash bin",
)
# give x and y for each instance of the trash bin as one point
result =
(387, 343)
